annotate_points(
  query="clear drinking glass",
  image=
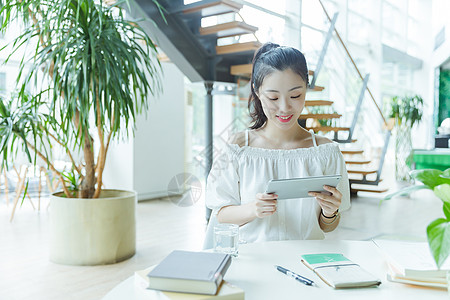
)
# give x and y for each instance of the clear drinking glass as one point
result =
(226, 238)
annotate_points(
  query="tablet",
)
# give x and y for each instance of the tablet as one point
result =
(299, 187)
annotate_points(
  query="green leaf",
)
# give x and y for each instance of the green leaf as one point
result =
(429, 177)
(446, 209)
(438, 233)
(446, 174)
(443, 192)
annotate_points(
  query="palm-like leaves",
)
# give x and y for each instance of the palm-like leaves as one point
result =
(99, 67)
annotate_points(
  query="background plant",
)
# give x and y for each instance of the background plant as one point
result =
(90, 74)
(406, 110)
(438, 231)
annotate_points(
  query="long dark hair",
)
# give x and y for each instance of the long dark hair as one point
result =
(269, 58)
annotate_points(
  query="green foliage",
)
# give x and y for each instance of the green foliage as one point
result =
(74, 180)
(19, 118)
(406, 110)
(444, 96)
(438, 231)
(99, 71)
(322, 110)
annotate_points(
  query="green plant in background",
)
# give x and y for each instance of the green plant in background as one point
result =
(90, 74)
(438, 231)
(406, 110)
(444, 96)
(322, 110)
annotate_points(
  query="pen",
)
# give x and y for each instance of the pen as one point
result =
(297, 277)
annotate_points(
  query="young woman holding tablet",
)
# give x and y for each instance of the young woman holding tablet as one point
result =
(276, 147)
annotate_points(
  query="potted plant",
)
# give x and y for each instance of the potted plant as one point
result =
(88, 76)
(438, 231)
(406, 112)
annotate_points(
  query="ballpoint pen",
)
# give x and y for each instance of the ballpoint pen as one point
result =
(297, 277)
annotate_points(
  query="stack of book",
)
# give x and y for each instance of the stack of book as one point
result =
(412, 263)
(190, 275)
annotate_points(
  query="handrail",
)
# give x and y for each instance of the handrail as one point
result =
(240, 16)
(354, 64)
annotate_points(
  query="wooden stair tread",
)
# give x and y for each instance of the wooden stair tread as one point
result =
(328, 128)
(319, 116)
(363, 172)
(358, 162)
(352, 151)
(318, 102)
(316, 88)
(372, 182)
(369, 189)
(228, 29)
(246, 70)
(213, 8)
(238, 47)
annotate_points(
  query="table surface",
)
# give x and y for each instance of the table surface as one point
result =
(253, 271)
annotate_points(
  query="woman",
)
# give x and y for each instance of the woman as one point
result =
(276, 147)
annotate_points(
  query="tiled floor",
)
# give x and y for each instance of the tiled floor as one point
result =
(26, 273)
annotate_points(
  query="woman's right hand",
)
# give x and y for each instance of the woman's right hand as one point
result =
(265, 204)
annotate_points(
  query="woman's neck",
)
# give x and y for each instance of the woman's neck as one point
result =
(280, 137)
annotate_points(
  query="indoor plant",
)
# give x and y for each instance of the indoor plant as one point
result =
(438, 231)
(89, 74)
(406, 112)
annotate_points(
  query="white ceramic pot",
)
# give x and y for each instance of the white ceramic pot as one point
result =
(93, 231)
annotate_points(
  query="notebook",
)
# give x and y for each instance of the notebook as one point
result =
(190, 272)
(338, 271)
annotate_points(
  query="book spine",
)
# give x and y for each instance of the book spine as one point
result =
(222, 269)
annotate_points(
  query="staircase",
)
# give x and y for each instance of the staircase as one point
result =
(360, 168)
(202, 55)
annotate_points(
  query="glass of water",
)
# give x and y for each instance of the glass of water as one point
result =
(226, 238)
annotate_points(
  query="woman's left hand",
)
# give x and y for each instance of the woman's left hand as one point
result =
(329, 201)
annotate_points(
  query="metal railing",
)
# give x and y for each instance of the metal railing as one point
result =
(353, 62)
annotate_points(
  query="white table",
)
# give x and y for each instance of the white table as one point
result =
(253, 270)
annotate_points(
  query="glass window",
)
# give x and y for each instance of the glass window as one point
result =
(362, 7)
(2, 81)
(415, 9)
(312, 43)
(393, 19)
(313, 14)
(398, 4)
(414, 30)
(270, 27)
(358, 29)
(275, 6)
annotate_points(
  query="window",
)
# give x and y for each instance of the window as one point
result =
(2, 81)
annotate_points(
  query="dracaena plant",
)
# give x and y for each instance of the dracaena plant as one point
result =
(438, 231)
(89, 73)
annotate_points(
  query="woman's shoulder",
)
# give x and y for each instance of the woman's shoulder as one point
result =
(237, 138)
(321, 140)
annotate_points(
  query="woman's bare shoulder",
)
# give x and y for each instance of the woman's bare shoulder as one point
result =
(237, 139)
(322, 140)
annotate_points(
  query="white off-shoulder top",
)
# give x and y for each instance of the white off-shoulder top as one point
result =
(239, 173)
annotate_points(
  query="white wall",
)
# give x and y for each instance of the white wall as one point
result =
(159, 140)
(155, 154)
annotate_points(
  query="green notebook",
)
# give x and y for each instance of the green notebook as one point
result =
(338, 271)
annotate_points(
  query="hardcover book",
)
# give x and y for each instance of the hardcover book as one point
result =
(190, 272)
(227, 291)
